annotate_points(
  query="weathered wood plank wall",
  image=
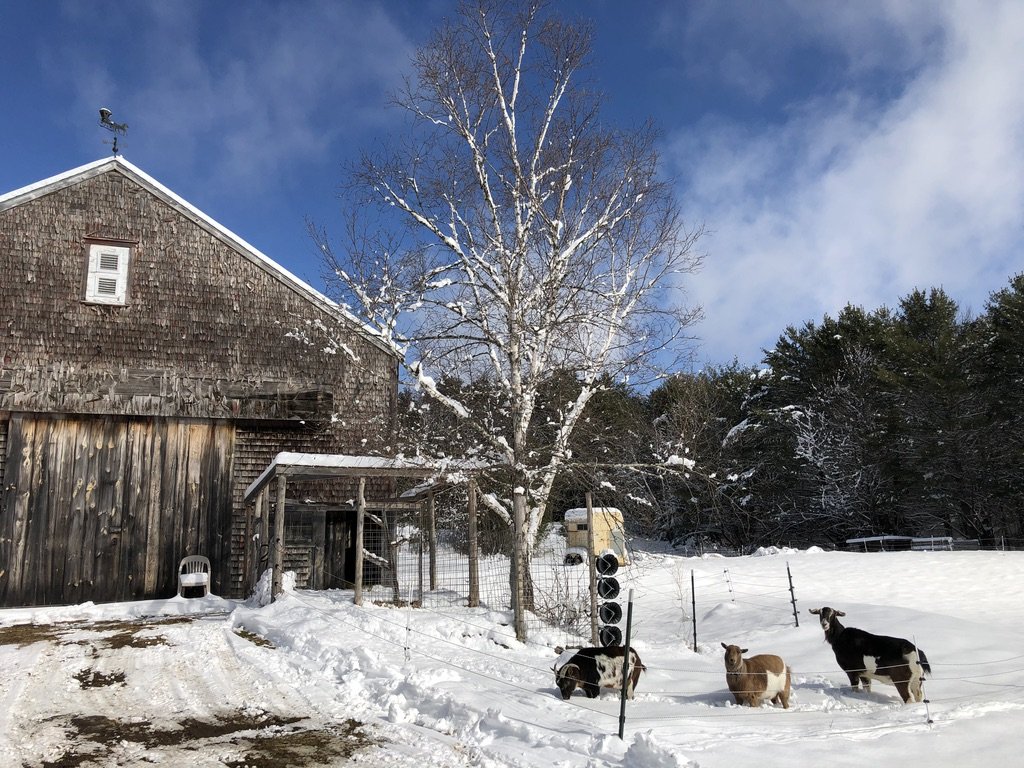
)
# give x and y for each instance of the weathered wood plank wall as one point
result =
(111, 506)
(4, 417)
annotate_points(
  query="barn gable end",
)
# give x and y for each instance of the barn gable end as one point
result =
(131, 423)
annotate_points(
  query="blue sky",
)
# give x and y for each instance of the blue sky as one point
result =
(837, 152)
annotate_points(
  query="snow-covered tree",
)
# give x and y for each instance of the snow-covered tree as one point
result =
(510, 232)
(838, 431)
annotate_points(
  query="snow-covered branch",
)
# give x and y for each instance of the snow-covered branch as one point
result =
(525, 240)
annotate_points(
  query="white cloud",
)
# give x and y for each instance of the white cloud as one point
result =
(859, 199)
(753, 47)
(241, 91)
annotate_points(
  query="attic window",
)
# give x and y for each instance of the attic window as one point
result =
(107, 277)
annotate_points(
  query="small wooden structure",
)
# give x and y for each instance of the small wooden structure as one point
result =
(606, 532)
(374, 503)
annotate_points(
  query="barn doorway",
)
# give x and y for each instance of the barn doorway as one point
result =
(340, 550)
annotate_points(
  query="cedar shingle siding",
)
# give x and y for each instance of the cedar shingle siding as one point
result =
(128, 434)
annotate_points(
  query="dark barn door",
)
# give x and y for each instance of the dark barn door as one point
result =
(340, 551)
(103, 509)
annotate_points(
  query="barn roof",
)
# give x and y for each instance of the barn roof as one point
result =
(120, 165)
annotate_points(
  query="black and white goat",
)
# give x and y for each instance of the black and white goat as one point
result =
(595, 668)
(866, 657)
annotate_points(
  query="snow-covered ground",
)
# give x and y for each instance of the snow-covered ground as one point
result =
(452, 687)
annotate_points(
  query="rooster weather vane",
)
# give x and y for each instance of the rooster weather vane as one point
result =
(110, 125)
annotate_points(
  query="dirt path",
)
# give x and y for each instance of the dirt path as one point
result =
(183, 691)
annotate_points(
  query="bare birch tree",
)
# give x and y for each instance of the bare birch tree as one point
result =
(510, 233)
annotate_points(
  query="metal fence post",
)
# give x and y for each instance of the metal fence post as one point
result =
(625, 665)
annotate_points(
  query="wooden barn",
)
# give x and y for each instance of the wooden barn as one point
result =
(152, 364)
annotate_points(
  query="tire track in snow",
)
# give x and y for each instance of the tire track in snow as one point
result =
(173, 673)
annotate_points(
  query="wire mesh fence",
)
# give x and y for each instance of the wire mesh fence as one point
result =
(411, 560)
(404, 565)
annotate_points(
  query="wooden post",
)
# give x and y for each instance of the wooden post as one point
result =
(592, 566)
(251, 510)
(432, 540)
(316, 573)
(277, 578)
(519, 555)
(360, 520)
(391, 543)
(693, 608)
(255, 542)
(264, 558)
(474, 548)
(419, 557)
(625, 665)
(792, 596)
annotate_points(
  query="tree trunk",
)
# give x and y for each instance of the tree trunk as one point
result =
(521, 580)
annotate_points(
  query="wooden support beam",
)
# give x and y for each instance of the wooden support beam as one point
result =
(263, 561)
(592, 565)
(360, 552)
(253, 541)
(316, 575)
(391, 543)
(277, 577)
(419, 559)
(432, 540)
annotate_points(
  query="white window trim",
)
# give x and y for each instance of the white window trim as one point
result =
(107, 277)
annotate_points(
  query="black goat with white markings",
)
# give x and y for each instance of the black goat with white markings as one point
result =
(595, 668)
(866, 657)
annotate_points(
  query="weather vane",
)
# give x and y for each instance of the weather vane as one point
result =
(110, 125)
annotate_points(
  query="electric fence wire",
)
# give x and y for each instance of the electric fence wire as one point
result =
(487, 628)
(708, 584)
(407, 647)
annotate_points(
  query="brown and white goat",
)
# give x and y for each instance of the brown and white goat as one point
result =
(595, 668)
(865, 657)
(764, 676)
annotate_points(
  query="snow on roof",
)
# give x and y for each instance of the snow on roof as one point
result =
(89, 170)
(320, 465)
(579, 515)
(39, 188)
(345, 461)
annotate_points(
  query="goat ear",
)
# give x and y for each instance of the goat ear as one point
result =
(743, 650)
(725, 646)
(814, 610)
(840, 613)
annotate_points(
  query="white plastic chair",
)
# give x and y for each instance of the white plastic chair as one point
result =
(194, 571)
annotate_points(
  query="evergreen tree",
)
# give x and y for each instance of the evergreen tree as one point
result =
(933, 414)
(1002, 381)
